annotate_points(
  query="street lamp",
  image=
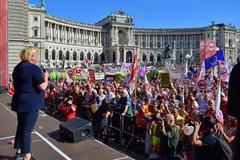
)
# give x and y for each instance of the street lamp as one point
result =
(187, 57)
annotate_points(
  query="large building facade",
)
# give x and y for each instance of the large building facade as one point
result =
(113, 39)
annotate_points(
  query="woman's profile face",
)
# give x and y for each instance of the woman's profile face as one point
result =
(34, 58)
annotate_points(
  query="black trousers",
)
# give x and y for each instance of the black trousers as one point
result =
(26, 123)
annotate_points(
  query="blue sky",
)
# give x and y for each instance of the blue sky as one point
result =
(150, 13)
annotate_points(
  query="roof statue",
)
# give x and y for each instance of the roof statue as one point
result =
(121, 12)
(167, 52)
(213, 23)
(43, 4)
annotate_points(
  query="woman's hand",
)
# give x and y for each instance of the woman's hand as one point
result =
(46, 75)
(197, 126)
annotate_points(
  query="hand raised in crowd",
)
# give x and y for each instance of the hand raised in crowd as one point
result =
(197, 126)
(162, 123)
(221, 130)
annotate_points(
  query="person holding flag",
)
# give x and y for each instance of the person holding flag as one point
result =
(213, 61)
(133, 74)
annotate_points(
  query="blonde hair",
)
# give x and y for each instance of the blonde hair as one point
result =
(27, 53)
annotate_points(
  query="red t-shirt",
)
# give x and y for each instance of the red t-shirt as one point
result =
(70, 114)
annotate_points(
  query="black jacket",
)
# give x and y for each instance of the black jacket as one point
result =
(234, 92)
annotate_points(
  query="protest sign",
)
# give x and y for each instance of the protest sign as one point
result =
(165, 80)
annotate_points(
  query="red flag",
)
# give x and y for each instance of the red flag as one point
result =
(134, 68)
(133, 73)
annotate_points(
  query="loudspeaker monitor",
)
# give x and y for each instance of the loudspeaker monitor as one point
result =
(76, 130)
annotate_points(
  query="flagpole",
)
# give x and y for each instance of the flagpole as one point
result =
(191, 50)
(182, 55)
(135, 92)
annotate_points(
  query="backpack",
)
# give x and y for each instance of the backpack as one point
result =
(224, 150)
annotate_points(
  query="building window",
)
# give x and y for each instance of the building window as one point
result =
(74, 56)
(159, 57)
(35, 19)
(95, 57)
(144, 57)
(113, 57)
(81, 56)
(151, 44)
(67, 55)
(103, 57)
(143, 44)
(151, 58)
(89, 56)
(35, 31)
(60, 55)
(35, 44)
(46, 53)
(53, 55)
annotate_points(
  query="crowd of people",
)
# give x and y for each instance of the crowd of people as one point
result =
(181, 122)
(184, 119)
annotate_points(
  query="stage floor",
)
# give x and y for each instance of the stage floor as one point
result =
(44, 140)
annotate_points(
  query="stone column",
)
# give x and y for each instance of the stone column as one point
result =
(65, 34)
(92, 35)
(124, 56)
(116, 35)
(100, 38)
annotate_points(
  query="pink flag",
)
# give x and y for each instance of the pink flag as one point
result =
(207, 49)
(218, 112)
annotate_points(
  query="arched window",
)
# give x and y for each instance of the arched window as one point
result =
(95, 57)
(102, 57)
(60, 55)
(74, 56)
(151, 58)
(35, 31)
(89, 56)
(46, 54)
(129, 57)
(81, 56)
(67, 55)
(53, 55)
(181, 58)
(144, 57)
(159, 58)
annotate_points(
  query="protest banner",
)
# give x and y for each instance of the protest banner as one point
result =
(165, 80)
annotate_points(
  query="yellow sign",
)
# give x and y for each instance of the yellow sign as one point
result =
(165, 80)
